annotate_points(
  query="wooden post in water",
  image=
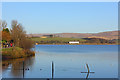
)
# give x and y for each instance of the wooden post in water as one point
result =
(52, 70)
(88, 72)
(23, 69)
(88, 68)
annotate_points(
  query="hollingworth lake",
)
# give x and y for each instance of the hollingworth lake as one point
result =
(69, 61)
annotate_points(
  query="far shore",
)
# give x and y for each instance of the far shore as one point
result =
(78, 44)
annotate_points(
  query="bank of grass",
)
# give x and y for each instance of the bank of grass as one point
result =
(16, 52)
(60, 40)
(56, 40)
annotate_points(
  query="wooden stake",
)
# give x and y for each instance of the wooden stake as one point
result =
(52, 70)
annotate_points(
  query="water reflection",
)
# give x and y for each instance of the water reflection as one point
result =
(66, 64)
(15, 66)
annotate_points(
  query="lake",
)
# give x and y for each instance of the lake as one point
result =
(69, 61)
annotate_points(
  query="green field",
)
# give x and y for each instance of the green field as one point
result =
(56, 40)
(60, 40)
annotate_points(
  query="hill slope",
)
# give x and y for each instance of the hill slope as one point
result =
(105, 35)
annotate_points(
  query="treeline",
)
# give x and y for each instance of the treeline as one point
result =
(99, 41)
(15, 42)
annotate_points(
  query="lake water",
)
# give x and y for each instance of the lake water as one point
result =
(69, 62)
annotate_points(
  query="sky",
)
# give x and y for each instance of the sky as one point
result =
(62, 17)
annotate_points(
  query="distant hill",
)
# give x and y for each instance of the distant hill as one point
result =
(104, 35)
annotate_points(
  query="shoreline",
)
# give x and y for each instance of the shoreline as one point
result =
(16, 53)
(4, 58)
(17, 58)
(78, 44)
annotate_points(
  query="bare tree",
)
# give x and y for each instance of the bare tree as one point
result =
(4, 24)
(19, 36)
(17, 33)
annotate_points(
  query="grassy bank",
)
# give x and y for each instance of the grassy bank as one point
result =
(56, 40)
(16, 52)
(64, 41)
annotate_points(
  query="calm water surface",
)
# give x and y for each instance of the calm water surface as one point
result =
(69, 62)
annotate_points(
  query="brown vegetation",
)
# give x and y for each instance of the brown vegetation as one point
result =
(6, 36)
(17, 36)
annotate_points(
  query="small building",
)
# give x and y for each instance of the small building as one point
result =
(36, 43)
(43, 37)
(47, 36)
(74, 42)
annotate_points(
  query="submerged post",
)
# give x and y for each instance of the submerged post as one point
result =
(88, 68)
(52, 70)
(88, 72)
(23, 69)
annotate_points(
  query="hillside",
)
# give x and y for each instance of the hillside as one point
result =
(105, 35)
